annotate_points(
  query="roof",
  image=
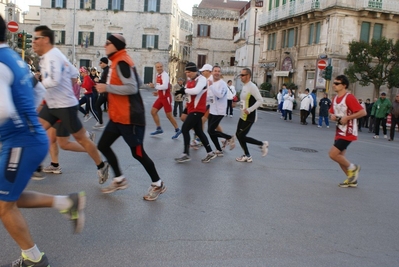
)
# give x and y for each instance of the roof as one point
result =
(222, 4)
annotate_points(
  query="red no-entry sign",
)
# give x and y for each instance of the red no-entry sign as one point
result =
(12, 26)
(322, 64)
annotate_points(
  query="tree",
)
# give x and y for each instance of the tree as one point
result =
(374, 63)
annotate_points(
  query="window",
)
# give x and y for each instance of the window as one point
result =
(85, 63)
(271, 41)
(86, 39)
(232, 60)
(152, 5)
(314, 33)
(204, 30)
(365, 32)
(150, 41)
(59, 37)
(116, 4)
(291, 38)
(88, 4)
(235, 31)
(148, 73)
(283, 43)
(377, 31)
(375, 4)
(201, 60)
(58, 3)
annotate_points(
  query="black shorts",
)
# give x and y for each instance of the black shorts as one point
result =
(185, 111)
(342, 144)
(60, 129)
(68, 116)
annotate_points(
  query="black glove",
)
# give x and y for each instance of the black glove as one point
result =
(181, 91)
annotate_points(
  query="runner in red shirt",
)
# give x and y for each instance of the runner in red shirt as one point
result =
(345, 109)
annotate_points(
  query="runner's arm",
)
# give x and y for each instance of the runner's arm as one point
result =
(7, 107)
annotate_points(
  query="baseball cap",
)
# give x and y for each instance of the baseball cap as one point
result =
(383, 93)
(207, 67)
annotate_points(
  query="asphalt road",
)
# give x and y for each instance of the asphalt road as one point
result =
(285, 209)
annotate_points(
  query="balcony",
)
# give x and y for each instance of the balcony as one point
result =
(300, 7)
(239, 36)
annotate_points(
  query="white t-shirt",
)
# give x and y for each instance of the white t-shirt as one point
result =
(56, 73)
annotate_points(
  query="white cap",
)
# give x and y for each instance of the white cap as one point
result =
(206, 67)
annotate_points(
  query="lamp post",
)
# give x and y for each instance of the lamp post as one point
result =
(253, 49)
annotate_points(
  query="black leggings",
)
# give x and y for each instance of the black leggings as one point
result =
(194, 121)
(104, 145)
(89, 101)
(213, 123)
(243, 128)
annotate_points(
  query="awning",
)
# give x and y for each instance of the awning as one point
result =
(281, 73)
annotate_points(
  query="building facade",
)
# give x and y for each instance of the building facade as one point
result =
(215, 22)
(151, 29)
(296, 35)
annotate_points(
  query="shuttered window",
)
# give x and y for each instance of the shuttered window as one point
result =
(365, 32)
(116, 4)
(377, 31)
(150, 41)
(152, 5)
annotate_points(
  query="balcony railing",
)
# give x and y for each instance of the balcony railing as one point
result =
(300, 7)
(239, 36)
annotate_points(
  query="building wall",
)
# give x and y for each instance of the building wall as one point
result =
(132, 22)
(339, 26)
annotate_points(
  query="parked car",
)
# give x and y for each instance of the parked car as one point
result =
(269, 102)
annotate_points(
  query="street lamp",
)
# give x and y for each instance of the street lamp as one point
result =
(253, 49)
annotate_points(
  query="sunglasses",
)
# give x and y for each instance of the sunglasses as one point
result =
(335, 83)
(38, 37)
(242, 75)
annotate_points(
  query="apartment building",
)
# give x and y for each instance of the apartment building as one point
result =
(151, 28)
(215, 24)
(295, 35)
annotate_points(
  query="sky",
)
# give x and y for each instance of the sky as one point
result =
(185, 5)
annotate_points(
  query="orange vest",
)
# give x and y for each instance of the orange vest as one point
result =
(124, 109)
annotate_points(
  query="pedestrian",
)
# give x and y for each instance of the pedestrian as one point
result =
(196, 91)
(380, 111)
(251, 99)
(102, 98)
(280, 102)
(164, 101)
(24, 146)
(61, 103)
(372, 118)
(306, 105)
(288, 105)
(88, 99)
(231, 93)
(313, 110)
(178, 105)
(394, 117)
(324, 106)
(360, 120)
(218, 103)
(284, 91)
(126, 117)
(345, 109)
(367, 117)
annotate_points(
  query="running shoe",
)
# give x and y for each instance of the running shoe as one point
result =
(87, 117)
(209, 157)
(177, 134)
(158, 131)
(154, 191)
(353, 174)
(114, 186)
(98, 125)
(265, 148)
(219, 153)
(244, 158)
(183, 158)
(103, 173)
(225, 143)
(347, 184)
(75, 213)
(38, 176)
(23, 261)
(52, 169)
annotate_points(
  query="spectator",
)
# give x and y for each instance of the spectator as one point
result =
(306, 105)
(288, 105)
(381, 110)
(394, 117)
(313, 110)
(324, 106)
